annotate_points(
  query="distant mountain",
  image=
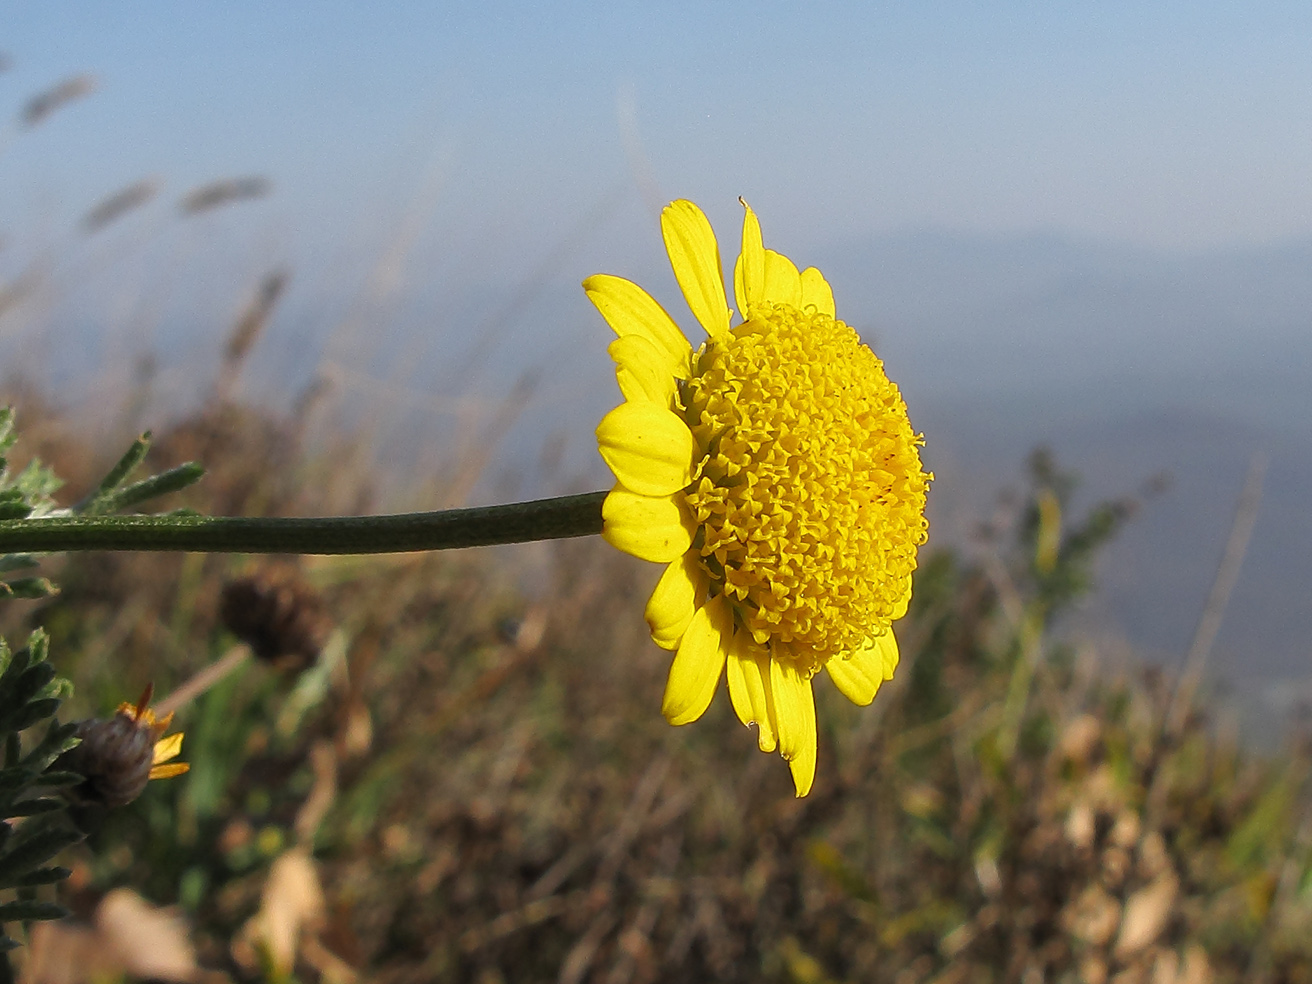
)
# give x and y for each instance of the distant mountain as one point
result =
(1127, 363)
(1154, 579)
(1227, 332)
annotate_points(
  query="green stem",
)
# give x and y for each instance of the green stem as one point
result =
(542, 519)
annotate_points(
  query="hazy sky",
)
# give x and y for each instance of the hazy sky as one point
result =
(500, 152)
(1176, 124)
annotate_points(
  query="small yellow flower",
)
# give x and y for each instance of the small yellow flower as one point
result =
(774, 471)
(165, 748)
(118, 756)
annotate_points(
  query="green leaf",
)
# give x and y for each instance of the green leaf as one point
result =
(38, 483)
(16, 562)
(36, 676)
(44, 876)
(38, 645)
(58, 739)
(34, 850)
(35, 712)
(28, 587)
(19, 684)
(28, 911)
(51, 780)
(96, 502)
(173, 480)
(18, 662)
(15, 777)
(7, 435)
(1259, 836)
(33, 807)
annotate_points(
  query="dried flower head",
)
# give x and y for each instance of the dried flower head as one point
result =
(224, 192)
(278, 615)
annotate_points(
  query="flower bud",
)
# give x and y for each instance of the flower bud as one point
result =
(118, 756)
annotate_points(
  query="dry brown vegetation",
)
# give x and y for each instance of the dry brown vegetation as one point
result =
(474, 781)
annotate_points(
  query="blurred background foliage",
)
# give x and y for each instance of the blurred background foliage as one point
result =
(453, 767)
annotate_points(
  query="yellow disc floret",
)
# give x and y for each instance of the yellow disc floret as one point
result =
(810, 496)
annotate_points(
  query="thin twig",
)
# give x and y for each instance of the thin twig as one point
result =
(1227, 574)
(233, 659)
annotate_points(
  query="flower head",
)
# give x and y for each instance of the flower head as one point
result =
(278, 615)
(118, 756)
(774, 471)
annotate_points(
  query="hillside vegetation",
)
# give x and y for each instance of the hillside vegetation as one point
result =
(453, 767)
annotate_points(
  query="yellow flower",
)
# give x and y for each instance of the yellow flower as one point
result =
(165, 748)
(776, 473)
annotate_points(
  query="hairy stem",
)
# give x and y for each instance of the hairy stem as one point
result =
(542, 519)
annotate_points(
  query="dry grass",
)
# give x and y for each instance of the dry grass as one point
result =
(487, 791)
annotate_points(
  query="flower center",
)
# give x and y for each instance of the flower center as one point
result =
(810, 496)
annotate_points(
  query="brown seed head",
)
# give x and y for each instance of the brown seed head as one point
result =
(43, 104)
(218, 193)
(278, 615)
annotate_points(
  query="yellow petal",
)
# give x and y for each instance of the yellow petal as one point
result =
(749, 271)
(695, 672)
(647, 447)
(802, 765)
(794, 708)
(888, 652)
(642, 373)
(168, 771)
(816, 292)
(630, 310)
(167, 748)
(900, 608)
(858, 674)
(783, 284)
(655, 528)
(749, 688)
(674, 601)
(695, 258)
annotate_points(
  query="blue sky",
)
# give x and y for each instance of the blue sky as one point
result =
(507, 150)
(1180, 125)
